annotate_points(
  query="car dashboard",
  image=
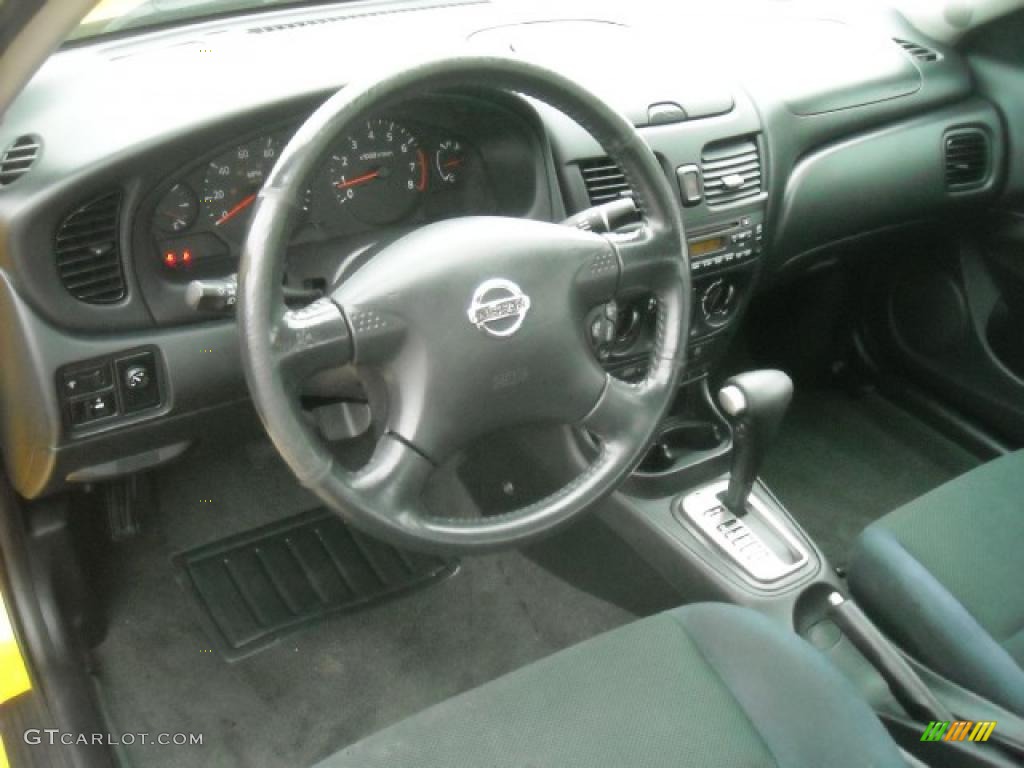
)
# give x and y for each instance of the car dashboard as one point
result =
(434, 158)
(141, 185)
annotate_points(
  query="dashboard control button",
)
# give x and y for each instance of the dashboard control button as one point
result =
(136, 377)
(86, 380)
(93, 408)
(691, 187)
(137, 380)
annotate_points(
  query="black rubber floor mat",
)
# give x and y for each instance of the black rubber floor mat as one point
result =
(262, 584)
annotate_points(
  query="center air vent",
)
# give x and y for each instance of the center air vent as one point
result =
(87, 253)
(18, 158)
(605, 181)
(968, 157)
(732, 171)
(919, 52)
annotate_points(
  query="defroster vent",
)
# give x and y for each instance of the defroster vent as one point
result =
(917, 50)
(87, 252)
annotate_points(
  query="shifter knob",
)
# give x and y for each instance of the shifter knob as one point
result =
(754, 403)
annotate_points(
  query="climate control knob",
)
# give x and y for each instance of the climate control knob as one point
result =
(718, 301)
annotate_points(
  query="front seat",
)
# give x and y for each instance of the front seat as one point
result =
(704, 685)
(943, 577)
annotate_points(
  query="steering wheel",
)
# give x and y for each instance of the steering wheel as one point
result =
(466, 326)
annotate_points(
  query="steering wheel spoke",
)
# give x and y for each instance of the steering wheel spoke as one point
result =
(313, 338)
(614, 418)
(376, 333)
(647, 258)
(394, 478)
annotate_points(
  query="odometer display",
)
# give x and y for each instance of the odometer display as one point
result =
(378, 173)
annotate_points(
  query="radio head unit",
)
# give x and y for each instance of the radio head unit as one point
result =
(726, 243)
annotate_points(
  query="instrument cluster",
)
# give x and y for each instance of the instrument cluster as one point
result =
(386, 173)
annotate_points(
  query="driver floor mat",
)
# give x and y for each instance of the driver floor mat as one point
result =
(259, 585)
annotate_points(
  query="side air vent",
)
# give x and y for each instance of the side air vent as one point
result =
(18, 158)
(968, 158)
(732, 171)
(604, 180)
(87, 253)
(919, 52)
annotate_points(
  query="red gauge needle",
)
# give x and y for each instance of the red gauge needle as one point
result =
(453, 163)
(244, 203)
(358, 180)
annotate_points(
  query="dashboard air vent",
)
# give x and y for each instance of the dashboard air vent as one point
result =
(18, 158)
(87, 253)
(968, 157)
(604, 180)
(732, 171)
(919, 52)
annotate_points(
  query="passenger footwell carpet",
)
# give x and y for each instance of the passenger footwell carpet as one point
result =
(259, 585)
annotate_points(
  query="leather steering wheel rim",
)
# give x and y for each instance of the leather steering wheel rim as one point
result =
(375, 328)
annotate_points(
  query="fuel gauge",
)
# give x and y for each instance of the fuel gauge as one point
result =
(449, 160)
(177, 211)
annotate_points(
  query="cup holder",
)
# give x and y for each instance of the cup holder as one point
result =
(678, 438)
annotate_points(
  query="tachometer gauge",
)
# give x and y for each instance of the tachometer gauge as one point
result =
(177, 210)
(378, 173)
(232, 181)
(449, 159)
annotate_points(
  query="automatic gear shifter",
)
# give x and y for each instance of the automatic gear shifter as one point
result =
(754, 403)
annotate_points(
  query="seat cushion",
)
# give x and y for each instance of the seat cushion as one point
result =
(705, 685)
(944, 576)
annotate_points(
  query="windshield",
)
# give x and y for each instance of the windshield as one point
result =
(110, 16)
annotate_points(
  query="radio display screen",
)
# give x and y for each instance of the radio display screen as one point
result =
(700, 247)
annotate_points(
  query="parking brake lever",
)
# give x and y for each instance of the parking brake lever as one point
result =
(904, 683)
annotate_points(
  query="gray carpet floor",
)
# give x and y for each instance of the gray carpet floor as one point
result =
(839, 463)
(842, 461)
(324, 687)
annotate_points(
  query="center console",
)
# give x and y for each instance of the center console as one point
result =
(694, 505)
(678, 509)
(723, 262)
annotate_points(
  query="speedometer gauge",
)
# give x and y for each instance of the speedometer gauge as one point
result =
(232, 181)
(378, 173)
